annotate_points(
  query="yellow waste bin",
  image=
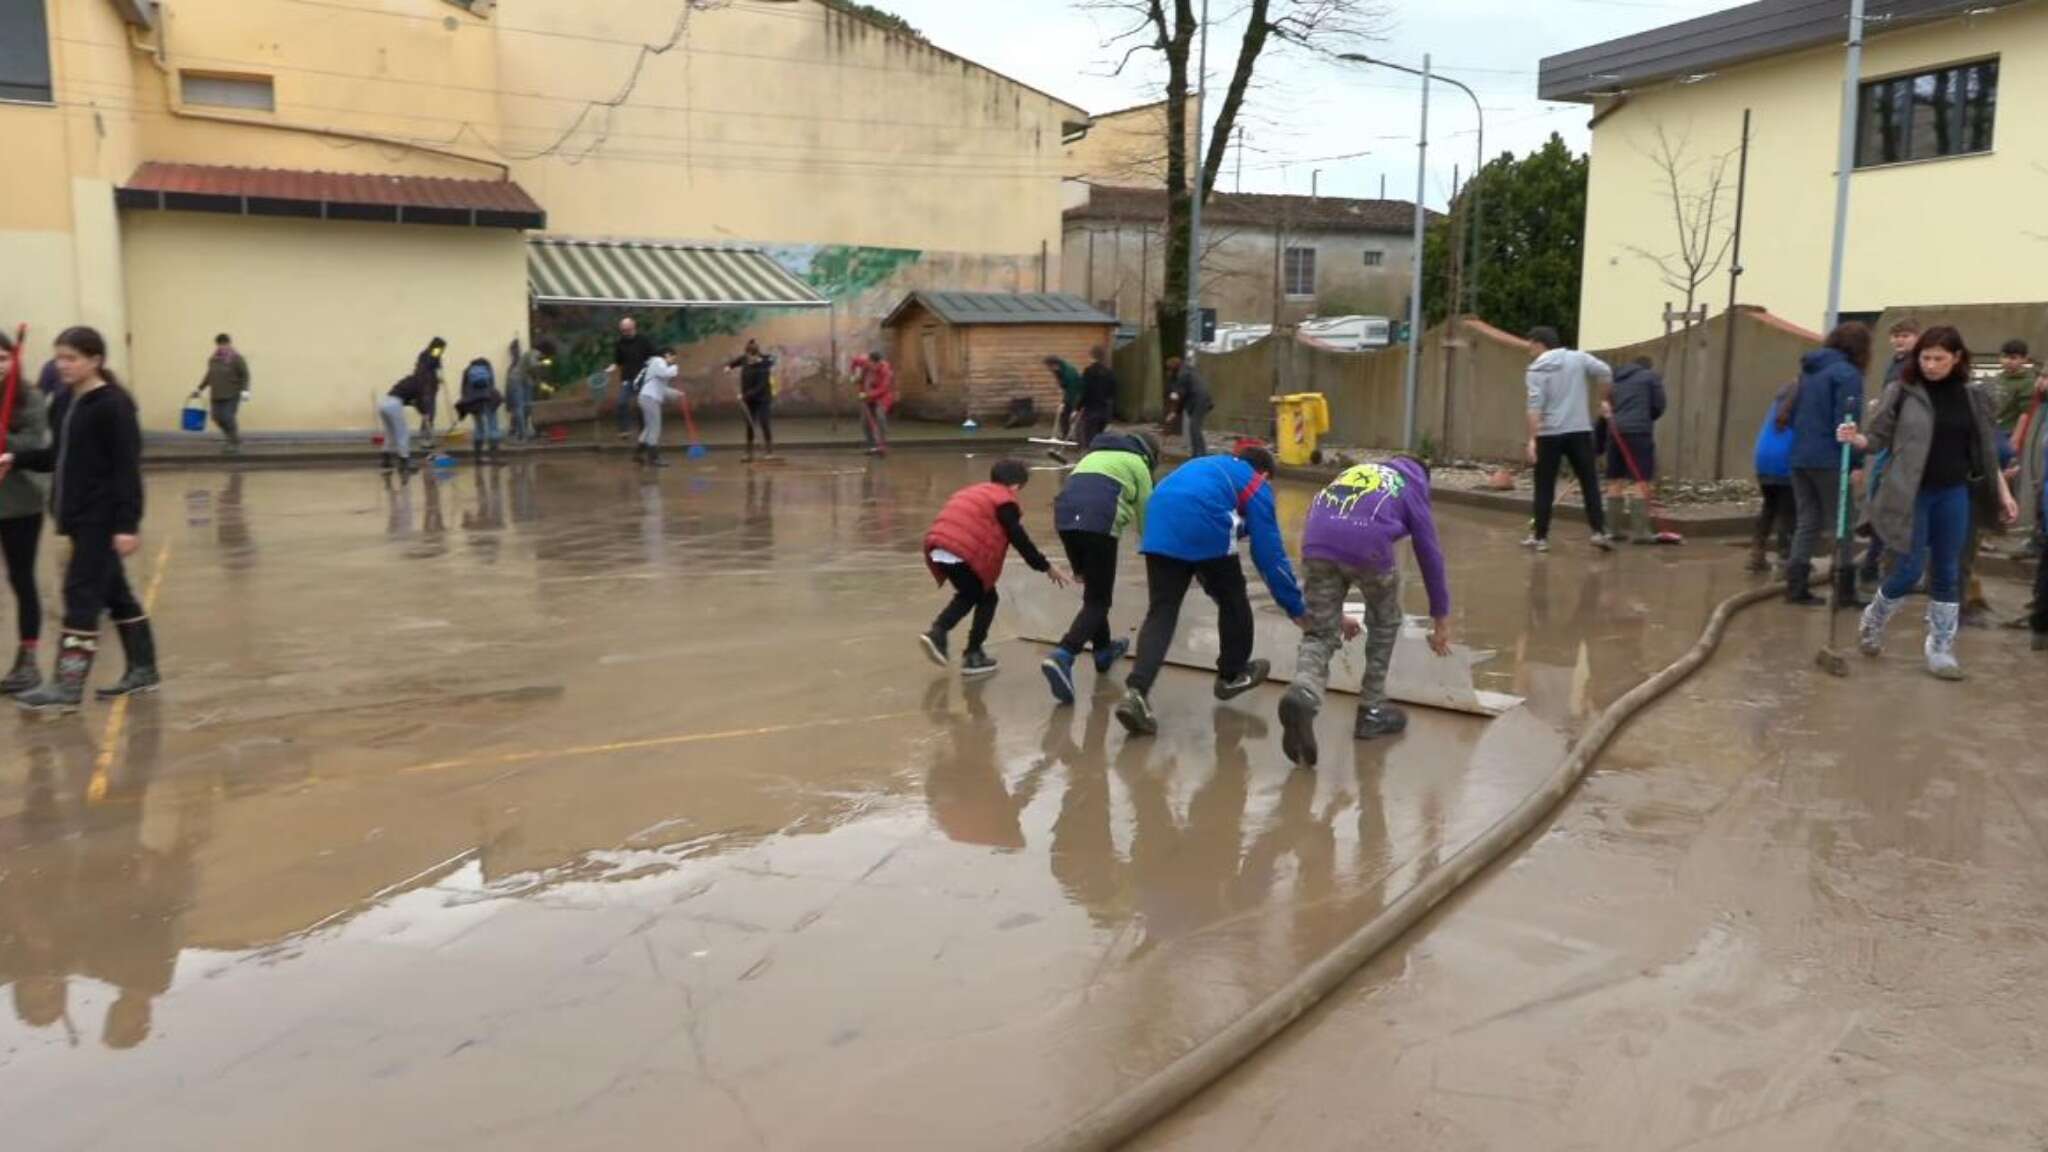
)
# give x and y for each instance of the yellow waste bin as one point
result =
(1300, 419)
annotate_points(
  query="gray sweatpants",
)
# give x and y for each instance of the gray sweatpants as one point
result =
(397, 437)
(650, 419)
(1325, 585)
(1817, 494)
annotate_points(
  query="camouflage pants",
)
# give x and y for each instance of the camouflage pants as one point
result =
(1325, 585)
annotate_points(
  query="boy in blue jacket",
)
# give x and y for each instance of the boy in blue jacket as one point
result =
(1192, 526)
(1774, 479)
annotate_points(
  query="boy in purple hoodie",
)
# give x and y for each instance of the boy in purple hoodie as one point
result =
(1353, 526)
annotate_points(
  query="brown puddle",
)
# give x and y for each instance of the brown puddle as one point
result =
(553, 807)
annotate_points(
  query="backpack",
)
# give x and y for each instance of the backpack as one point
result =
(478, 380)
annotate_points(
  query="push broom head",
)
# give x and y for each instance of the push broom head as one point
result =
(1832, 662)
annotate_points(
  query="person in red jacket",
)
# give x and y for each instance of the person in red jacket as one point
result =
(877, 379)
(966, 548)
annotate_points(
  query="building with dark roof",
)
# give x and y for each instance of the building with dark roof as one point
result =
(1266, 258)
(1947, 180)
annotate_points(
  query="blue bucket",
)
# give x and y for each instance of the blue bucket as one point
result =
(192, 419)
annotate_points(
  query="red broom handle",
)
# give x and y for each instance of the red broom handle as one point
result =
(13, 384)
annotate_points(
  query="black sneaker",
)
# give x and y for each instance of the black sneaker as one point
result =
(975, 662)
(1298, 727)
(934, 643)
(1135, 714)
(1379, 720)
(1254, 674)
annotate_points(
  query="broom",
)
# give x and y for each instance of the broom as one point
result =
(13, 386)
(696, 450)
(1831, 659)
(1665, 534)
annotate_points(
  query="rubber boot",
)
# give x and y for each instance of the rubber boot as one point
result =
(66, 689)
(390, 463)
(1798, 581)
(138, 644)
(476, 453)
(654, 459)
(25, 676)
(1870, 633)
(1942, 622)
(1758, 563)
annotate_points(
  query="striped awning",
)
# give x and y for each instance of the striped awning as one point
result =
(645, 274)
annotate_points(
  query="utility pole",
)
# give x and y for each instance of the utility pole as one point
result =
(1240, 159)
(1734, 279)
(1194, 325)
(1410, 378)
(1383, 185)
(1845, 163)
(1315, 184)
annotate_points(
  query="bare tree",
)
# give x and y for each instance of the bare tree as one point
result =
(1169, 28)
(1701, 213)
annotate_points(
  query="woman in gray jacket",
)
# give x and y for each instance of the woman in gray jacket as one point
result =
(1943, 440)
(21, 525)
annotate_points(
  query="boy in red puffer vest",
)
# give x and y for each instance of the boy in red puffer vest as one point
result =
(966, 548)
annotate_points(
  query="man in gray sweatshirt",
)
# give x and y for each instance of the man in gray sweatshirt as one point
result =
(1561, 430)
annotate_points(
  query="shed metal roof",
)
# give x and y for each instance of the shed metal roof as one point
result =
(1724, 39)
(970, 308)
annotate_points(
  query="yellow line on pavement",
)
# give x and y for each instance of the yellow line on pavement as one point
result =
(511, 758)
(117, 716)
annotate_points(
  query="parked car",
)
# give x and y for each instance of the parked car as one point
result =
(1231, 337)
(1348, 333)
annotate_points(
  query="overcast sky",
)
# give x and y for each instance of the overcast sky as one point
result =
(1311, 115)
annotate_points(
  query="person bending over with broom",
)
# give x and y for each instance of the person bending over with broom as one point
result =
(1634, 404)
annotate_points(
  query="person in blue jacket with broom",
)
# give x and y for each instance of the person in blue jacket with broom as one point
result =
(1192, 525)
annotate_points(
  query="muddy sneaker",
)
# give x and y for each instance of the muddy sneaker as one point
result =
(934, 643)
(1877, 614)
(975, 662)
(24, 677)
(1379, 720)
(1254, 674)
(1603, 541)
(1059, 675)
(1106, 658)
(1536, 544)
(1135, 714)
(1298, 727)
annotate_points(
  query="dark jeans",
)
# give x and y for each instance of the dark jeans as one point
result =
(94, 583)
(226, 419)
(629, 406)
(19, 538)
(1092, 424)
(1198, 444)
(1780, 512)
(1818, 494)
(1553, 451)
(969, 595)
(1168, 579)
(1093, 558)
(1941, 530)
(761, 413)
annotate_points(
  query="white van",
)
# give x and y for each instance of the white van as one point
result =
(1348, 333)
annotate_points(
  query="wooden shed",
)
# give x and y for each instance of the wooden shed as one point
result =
(973, 353)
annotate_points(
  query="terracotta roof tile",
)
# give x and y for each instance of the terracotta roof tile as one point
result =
(1301, 213)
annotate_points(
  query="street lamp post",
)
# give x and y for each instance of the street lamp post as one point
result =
(1194, 340)
(1421, 220)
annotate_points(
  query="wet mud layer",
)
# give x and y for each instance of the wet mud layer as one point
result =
(1786, 912)
(555, 806)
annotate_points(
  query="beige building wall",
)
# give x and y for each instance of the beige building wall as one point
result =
(321, 347)
(778, 124)
(1956, 230)
(1121, 268)
(1127, 148)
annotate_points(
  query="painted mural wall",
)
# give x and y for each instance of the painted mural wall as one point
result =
(812, 347)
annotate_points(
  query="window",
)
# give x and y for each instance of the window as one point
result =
(1299, 268)
(24, 52)
(218, 90)
(1947, 112)
(1374, 257)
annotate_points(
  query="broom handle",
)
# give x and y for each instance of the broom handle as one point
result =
(13, 387)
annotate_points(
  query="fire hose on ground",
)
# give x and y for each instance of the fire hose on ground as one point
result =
(1153, 1099)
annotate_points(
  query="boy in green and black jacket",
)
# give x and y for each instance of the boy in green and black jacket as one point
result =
(1106, 494)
